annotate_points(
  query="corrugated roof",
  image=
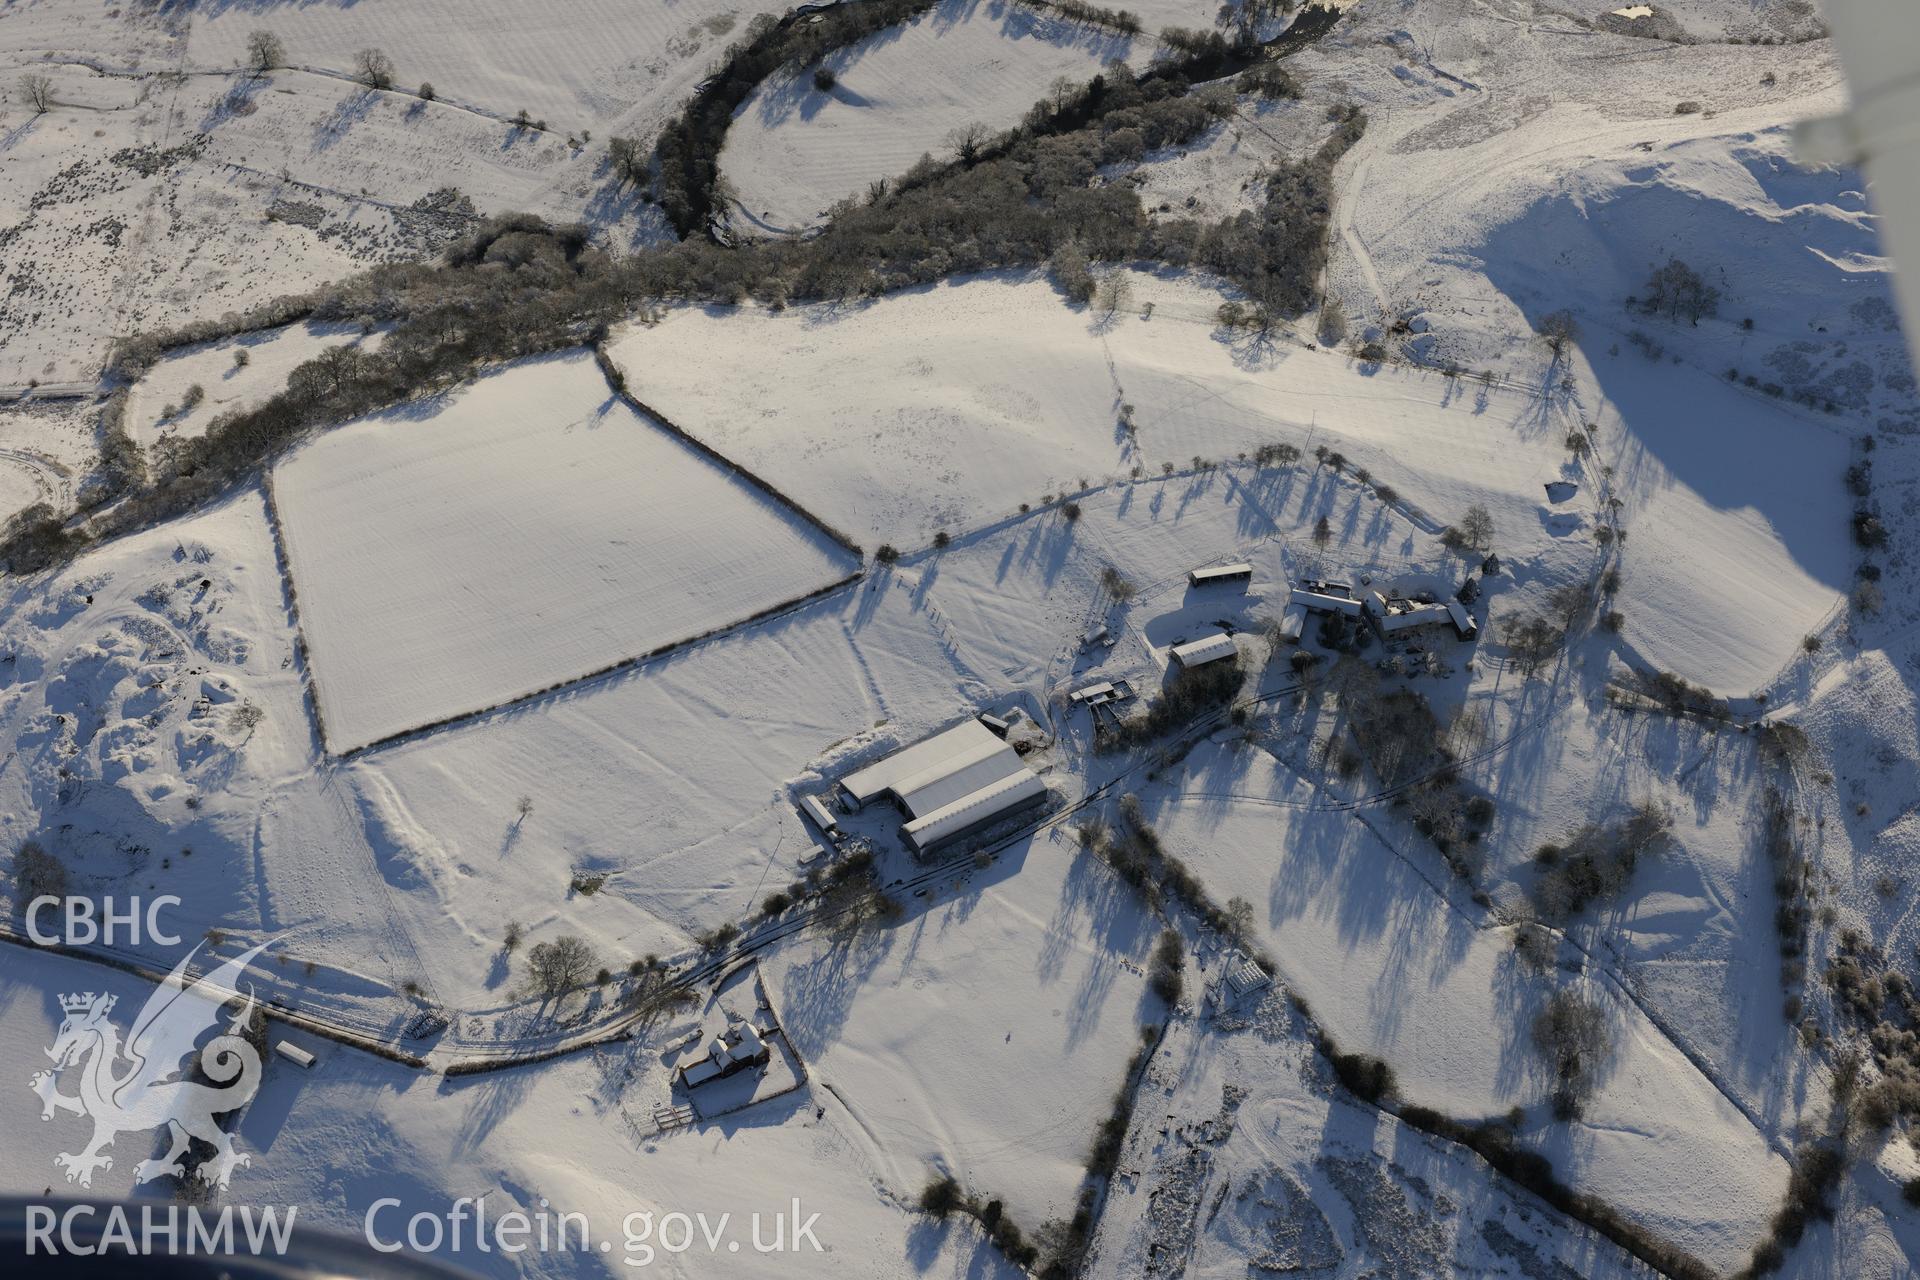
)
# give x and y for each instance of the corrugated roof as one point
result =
(1206, 649)
(981, 806)
(1325, 603)
(864, 784)
(820, 813)
(957, 776)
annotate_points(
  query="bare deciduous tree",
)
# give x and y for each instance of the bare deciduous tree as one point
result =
(265, 51)
(37, 873)
(1558, 330)
(967, 141)
(559, 966)
(1333, 322)
(1677, 290)
(37, 89)
(628, 158)
(1112, 293)
(1072, 271)
(1570, 1033)
(1474, 532)
(1531, 642)
(373, 68)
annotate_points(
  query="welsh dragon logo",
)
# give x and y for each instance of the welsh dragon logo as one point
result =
(131, 1087)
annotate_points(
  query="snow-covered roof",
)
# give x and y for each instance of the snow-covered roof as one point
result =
(1246, 975)
(1100, 692)
(920, 758)
(1206, 649)
(821, 815)
(1218, 572)
(1293, 621)
(1325, 603)
(1462, 620)
(969, 811)
(979, 764)
(1399, 618)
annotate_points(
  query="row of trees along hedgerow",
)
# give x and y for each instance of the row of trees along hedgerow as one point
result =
(518, 286)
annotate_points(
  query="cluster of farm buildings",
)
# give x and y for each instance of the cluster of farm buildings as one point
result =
(947, 786)
(969, 777)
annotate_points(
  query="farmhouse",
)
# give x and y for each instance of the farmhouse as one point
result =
(736, 1049)
(1395, 614)
(949, 785)
(1198, 653)
(1237, 572)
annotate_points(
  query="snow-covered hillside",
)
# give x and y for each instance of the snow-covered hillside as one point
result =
(1565, 931)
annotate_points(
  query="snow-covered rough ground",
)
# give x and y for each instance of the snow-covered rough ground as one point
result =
(167, 184)
(1391, 967)
(1249, 1158)
(156, 731)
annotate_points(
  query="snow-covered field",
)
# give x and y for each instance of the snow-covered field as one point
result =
(530, 529)
(166, 185)
(795, 149)
(587, 65)
(1392, 968)
(986, 1037)
(334, 1141)
(163, 406)
(993, 392)
(1043, 470)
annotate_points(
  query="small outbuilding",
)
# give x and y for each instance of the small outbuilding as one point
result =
(822, 816)
(1238, 572)
(1094, 694)
(294, 1053)
(1198, 653)
(1463, 623)
(1245, 976)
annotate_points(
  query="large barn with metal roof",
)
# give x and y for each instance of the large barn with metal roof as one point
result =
(949, 785)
